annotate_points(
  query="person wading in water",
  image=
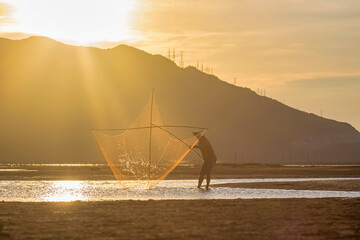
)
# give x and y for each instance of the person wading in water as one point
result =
(209, 157)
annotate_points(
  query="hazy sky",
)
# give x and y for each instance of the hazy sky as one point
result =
(304, 53)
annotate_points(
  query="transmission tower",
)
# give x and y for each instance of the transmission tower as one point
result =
(181, 59)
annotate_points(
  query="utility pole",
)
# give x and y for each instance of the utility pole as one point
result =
(235, 81)
(151, 119)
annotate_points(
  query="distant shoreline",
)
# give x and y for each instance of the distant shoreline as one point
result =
(221, 171)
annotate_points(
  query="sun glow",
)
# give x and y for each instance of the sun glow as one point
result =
(80, 21)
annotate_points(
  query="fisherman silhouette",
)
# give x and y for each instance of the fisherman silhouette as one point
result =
(209, 157)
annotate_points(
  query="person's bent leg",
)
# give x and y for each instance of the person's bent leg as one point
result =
(208, 178)
(201, 179)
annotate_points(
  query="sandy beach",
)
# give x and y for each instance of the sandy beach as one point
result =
(205, 219)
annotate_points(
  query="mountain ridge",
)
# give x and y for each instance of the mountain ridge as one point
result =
(106, 88)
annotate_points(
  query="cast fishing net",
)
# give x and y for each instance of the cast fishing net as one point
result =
(146, 152)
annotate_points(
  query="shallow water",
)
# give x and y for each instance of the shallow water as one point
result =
(16, 170)
(53, 191)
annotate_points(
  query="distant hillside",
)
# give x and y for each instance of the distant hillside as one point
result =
(52, 94)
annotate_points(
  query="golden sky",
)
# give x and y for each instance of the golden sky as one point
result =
(304, 53)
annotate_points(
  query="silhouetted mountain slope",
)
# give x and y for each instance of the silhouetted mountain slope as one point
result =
(52, 94)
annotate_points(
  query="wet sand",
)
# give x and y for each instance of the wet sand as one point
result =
(203, 219)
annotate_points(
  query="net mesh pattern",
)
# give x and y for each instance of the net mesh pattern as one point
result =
(144, 154)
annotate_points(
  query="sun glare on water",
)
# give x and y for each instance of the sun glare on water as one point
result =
(80, 21)
(65, 191)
